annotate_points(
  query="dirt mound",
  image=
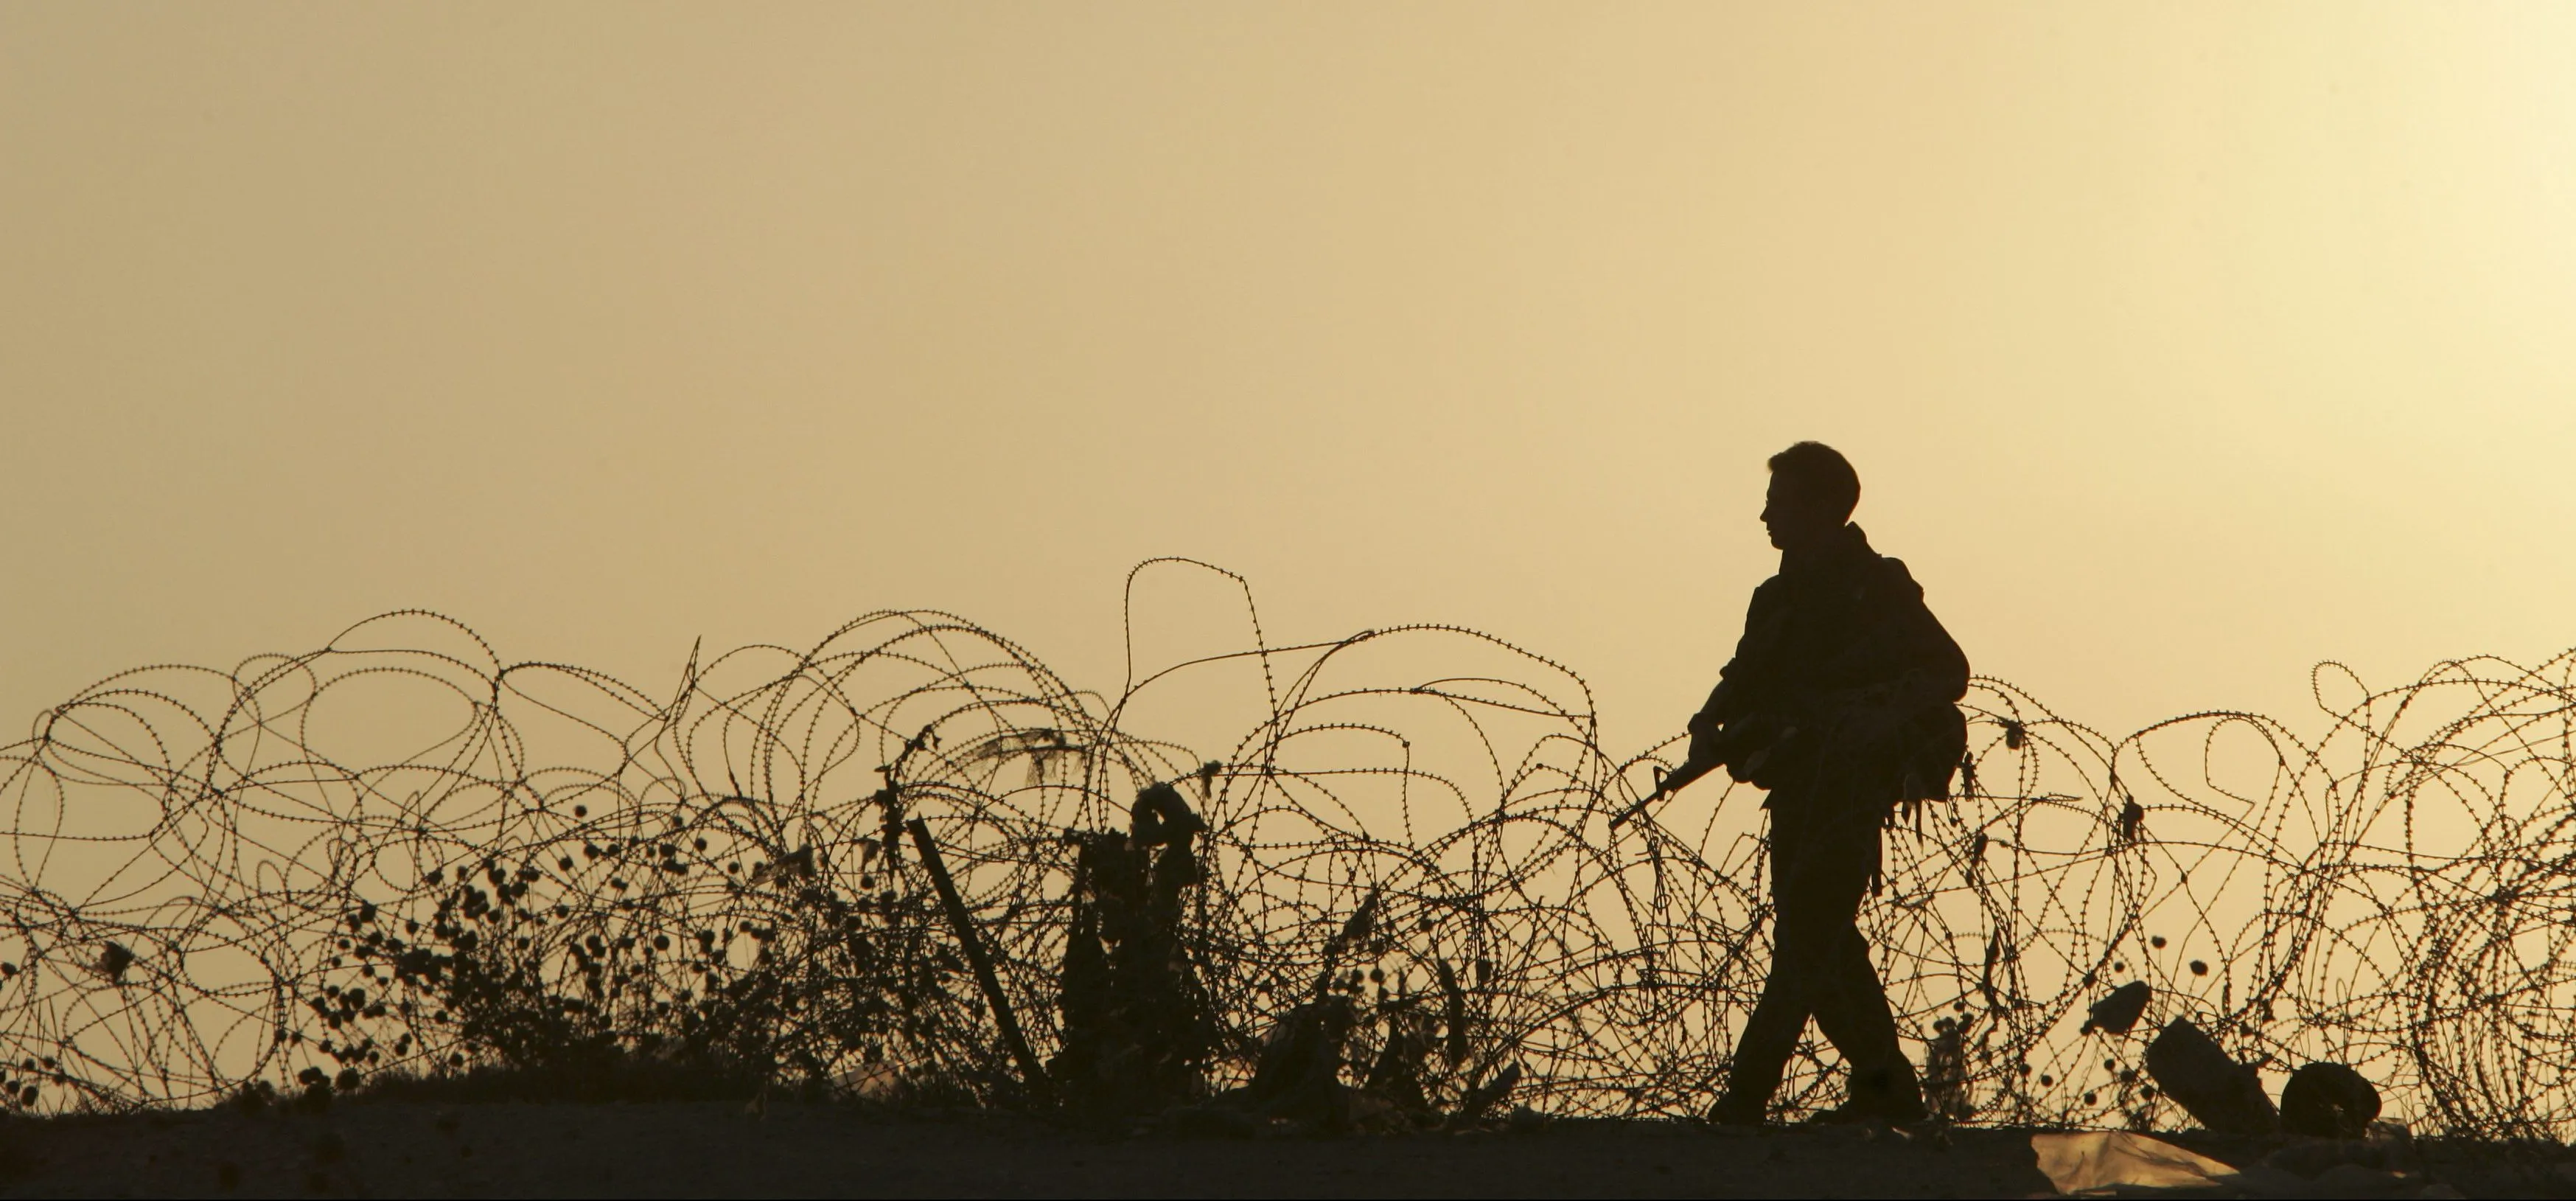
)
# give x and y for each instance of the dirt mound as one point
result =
(409, 1148)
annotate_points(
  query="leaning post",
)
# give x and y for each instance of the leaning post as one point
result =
(1031, 1072)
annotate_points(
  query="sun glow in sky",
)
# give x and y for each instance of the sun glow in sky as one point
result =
(2179, 346)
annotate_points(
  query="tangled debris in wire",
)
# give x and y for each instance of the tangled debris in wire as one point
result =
(226, 880)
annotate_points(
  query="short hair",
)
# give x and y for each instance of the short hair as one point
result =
(1821, 474)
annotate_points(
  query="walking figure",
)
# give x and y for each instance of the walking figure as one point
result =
(1841, 702)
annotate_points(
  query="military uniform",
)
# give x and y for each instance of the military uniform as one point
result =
(1841, 700)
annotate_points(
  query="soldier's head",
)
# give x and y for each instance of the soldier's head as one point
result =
(1813, 491)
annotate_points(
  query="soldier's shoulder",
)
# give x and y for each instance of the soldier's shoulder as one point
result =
(1772, 590)
(1896, 575)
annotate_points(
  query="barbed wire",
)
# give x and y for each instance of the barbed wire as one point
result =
(216, 878)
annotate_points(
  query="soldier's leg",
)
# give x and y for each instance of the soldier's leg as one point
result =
(1762, 1053)
(1844, 990)
(1771, 1033)
(1851, 1008)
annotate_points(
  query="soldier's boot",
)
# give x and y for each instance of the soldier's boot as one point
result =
(1886, 1092)
(1738, 1109)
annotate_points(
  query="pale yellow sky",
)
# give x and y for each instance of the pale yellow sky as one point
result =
(2178, 345)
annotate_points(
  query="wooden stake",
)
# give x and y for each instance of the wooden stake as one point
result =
(1031, 1072)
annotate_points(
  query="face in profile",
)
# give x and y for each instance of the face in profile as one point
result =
(1793, 517)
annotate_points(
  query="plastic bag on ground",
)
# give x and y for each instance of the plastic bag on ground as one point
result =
(2101, 1159)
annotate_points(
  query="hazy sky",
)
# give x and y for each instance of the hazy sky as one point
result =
(2178, 345)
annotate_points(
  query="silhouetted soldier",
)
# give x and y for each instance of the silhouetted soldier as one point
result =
(1841, 701)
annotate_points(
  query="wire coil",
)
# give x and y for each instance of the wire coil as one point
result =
(213, 877)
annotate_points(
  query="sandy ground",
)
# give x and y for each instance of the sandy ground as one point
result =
(412, 1149)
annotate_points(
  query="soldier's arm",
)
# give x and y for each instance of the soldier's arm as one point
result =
(1731, 699)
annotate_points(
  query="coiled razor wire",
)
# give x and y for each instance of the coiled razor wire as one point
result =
(215, 878)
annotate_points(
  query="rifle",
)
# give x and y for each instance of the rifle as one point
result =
(1742, 747)
(1666, 784)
